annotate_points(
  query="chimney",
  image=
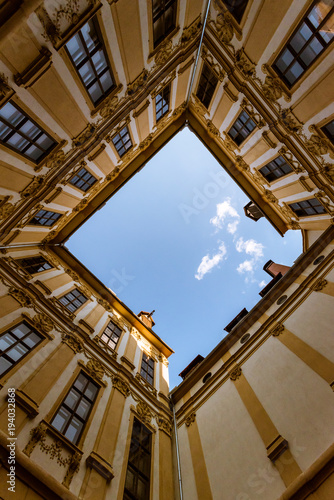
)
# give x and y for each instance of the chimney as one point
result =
(274, 269)
(146, 318)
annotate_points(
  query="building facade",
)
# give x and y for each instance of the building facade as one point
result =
(89, 91)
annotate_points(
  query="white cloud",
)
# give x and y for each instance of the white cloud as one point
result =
(225, 210)
(232, 226)
(262, 284)
(251, 247)
(246, 267)
(207, 263)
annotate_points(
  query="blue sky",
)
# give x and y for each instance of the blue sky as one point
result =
(175, 239)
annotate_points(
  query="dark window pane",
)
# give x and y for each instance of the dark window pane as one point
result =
(83, 180)
(22, 134)
(15, 344)
(73, 300)
(44, 218)
(164, 18)
(236, 7)
(309, 40)
(34, 264)
(147, 369)
(275, 169)
(87, 52)
(74, 411)
(328, 130)
(122, 141)
(307, 207)
(137, 482)
(162, 103)
(241, 128)
(206, 86)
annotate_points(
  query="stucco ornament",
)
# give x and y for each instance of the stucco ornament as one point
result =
(165, 51)
(320, 284)
(144, 412)
(277, 330)
(190, 419)
(236, 373)
(43, 323)
(224, 28)
(317, 145)
(121, 385)
(21, 296)
(272, 88)
(6, 209)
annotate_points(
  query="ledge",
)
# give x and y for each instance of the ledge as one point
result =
(277, 448)
(27, 404)
(104, 468)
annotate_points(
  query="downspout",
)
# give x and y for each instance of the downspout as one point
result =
(198, 51)
(177, 454)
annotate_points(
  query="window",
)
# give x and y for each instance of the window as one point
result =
(15, 344)
(307, 207)
(236, 7)
(34, 265)
(88, 55)
(164, 16)
(207, 85)
(73, 300)
(162, 103)
(241, 128)
(21, 134)
(74, 411)
(122, 141)
(275, 169)
(328, 130)
(308, 41)
(137, 481)
(111, 335)
(44, 218)
(83, 180)
(147, 369)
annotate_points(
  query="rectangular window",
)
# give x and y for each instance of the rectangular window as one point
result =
(236, 7)
(88, 55)
(21, 134)
(15, 344)
(241, 128)
(34, 265)
(147, 369)
(45, 218)
(207, 85)
(328, 130)
(308, 207)
(137, 481)
(83, 180)
(73, 300)
(308, 41)
(162, 103)
(122, 141)
(164, 18)
(111, 335)
(73, 413)
(275, 169)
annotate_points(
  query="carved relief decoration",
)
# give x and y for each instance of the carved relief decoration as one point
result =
(21, 296)
(277, 330)
(235, 374)
(190, 419)
(32, 188)
(319, 285)
(43, 323)
(121, 385)
(4, 87)
(144, 412)
(72, 341)
(165, 425)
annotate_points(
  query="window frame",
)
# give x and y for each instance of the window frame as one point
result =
(161, 91)
(118, 133)
(29, 223)
(67, 293)
(285, 46)
(27, 118)
(148, 478)
(96, 23)
(19, 262)
(325, 133)
(60, 403)
(43, 338)
(213, 73)
(103, 333)
(243, 126)
(76, 175)
(239, 21)
(273, 160)
(308, 215)
(157, 42)
(146, 371)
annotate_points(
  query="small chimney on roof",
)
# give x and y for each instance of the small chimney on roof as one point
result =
(146, 318)
(274, 269)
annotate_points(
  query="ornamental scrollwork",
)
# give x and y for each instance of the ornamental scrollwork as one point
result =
(190, 32)
(43, 323)
(4, 87)
(224, 27)
(36, 434)
(190, 419)
(56, 160)
(319, 285)
(244, 64)
(165, 425)
(277, 330)
(138, 83)
(32, 188)
(73, 342)
(235, 374)
(121, 385)
(21, 296)
(317, 145)
(165, 50)
(6, 209)
(95, 369)
(144, 412)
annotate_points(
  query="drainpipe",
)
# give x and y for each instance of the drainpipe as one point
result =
(198, 51)
(177, 454)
